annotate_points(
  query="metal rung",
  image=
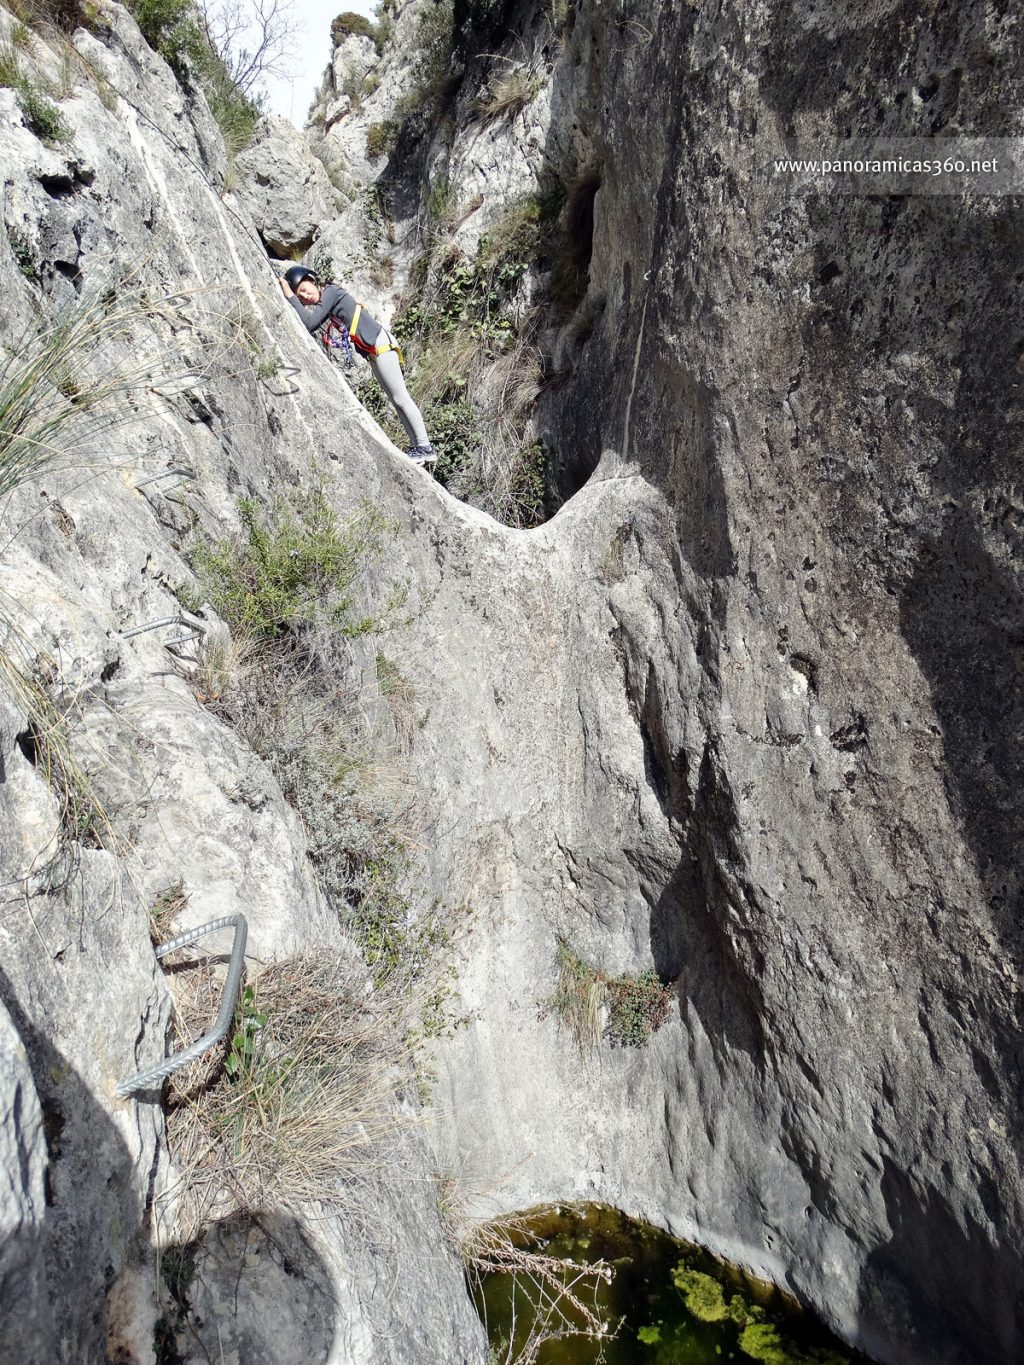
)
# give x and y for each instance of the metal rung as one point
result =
(146, 1080)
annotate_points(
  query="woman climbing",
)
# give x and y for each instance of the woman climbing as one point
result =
(349, 321)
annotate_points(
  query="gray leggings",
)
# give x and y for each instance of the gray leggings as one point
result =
(387, 370)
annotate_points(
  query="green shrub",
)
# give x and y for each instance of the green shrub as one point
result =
(41, 115)
(348, 24)
(380, 139)
(171, 28)
(289, 568)
(637, 1006)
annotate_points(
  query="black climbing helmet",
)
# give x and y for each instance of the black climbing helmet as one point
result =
(297, 274)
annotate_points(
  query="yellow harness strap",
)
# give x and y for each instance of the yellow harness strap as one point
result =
(377, 350)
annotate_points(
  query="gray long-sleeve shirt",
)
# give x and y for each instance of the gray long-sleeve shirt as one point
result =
(334, 300)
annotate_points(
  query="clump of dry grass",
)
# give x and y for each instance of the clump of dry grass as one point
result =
(557, 1296)
(511, 462)
(63, 385)
(301, 1107)
(592, 1003)
(509, 91)
(82, 821)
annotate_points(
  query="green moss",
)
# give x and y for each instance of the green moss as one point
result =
(704, 1296)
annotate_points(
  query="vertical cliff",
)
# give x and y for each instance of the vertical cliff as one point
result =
(743, 711)
(765, 737)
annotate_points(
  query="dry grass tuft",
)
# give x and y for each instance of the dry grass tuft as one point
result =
(64, 385)
(509, 91)
(302, 1106)
(82, 820)
(557, 1296)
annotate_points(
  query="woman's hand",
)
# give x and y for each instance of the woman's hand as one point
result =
(286, 288)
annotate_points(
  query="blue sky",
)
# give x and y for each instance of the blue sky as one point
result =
(291, 95)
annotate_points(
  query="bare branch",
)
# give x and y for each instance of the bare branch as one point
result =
(252, 37)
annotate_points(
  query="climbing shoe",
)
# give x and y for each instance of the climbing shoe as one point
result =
(422, 455)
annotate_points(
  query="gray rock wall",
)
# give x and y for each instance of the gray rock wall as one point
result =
(91, 549)
(746, 710)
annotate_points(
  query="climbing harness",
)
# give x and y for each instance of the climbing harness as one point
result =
(337, 337)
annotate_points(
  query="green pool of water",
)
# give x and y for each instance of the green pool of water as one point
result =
(677, 1305)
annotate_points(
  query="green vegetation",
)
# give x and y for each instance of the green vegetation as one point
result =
(763, 1335)
(23, 255)
(172, 28)
(65, 15)
(245, 331)
(380, 139)
(41, 115)
(290, 569)
(668, 1303)
(472, 370)
(625, 1009)
(703, 1295)
(348, 24)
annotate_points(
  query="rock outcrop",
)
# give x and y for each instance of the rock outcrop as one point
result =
(758, 723)
(116, 783)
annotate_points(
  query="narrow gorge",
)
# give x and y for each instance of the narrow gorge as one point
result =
(692, 680)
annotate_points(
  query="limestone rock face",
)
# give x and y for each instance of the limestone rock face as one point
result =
(93, 547)
(745, 710)
(285, 190)
(22, 1203)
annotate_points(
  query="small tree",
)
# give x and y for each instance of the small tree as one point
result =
(251, 37)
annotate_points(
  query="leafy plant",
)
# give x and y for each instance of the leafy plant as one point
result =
(169, 903)
(241, 1059)
(380, 139)
(41, 115)
(289, 568)
(626, 1009)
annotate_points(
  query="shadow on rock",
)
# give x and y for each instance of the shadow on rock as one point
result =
(700, 933)
(92, 1227)
(253, 1288)
(974, 1309)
